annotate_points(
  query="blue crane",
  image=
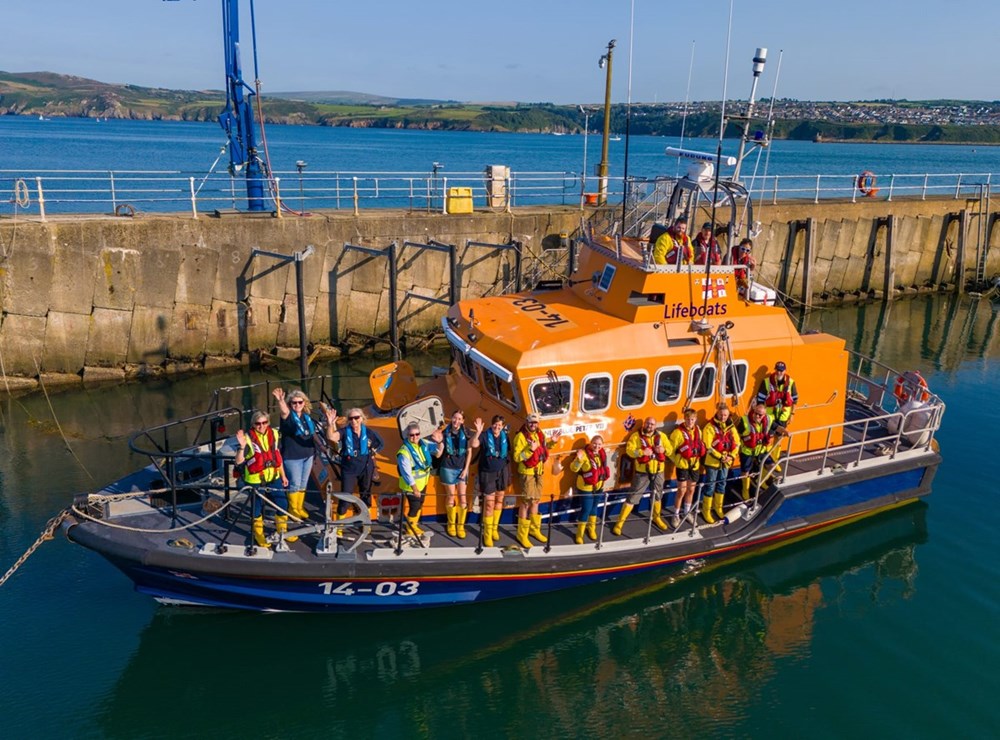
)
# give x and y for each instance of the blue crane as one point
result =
(236, 118)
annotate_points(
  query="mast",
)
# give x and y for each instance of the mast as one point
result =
(759, 58)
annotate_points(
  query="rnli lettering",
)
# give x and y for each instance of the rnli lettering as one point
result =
(541, 313)
(691, 311)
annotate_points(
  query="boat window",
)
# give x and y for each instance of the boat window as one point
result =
(596, 393)
(736, 378)
(668, 385)
(702, 382)
(551, 397)
(499, 388)
(607, 275)
(632, 389)
(467, 366)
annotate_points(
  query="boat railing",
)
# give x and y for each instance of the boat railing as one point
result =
(914, 429)
(873, 382)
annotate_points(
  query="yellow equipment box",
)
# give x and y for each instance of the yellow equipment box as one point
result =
(459, 200)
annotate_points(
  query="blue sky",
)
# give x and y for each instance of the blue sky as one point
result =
(524, 50)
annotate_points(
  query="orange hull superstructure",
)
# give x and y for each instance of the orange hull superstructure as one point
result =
(624, 340)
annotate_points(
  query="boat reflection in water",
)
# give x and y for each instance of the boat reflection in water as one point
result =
(573, 662)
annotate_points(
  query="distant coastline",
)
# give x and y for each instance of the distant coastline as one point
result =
(48, 95)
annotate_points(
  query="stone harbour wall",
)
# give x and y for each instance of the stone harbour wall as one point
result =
(103, 297)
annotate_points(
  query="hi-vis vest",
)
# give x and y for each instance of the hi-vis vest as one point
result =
(420, 465)
(262, 457)
(691, 449)
(779, 398)
(530, 462)
(654, 463)
(591, 479)
(753, 440)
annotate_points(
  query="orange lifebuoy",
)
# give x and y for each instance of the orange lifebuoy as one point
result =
(866, 183)
(911, 384)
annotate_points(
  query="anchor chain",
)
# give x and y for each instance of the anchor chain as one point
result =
(47, 534)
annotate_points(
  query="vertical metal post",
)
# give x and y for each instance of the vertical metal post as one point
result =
(960, 255)
(41, 198)
(194, 198)
(393, 318)
(277, 196)
(807, 270)
(114, 199)
(517, 266)
(889, 278)
(572, 258)
(444, 194)
(454, 289)
(299, 297)
(602, 168)
(816, 197)
(356, 212)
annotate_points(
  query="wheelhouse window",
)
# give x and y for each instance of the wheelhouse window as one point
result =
(632, 389)
(465, 364)
(499, 388)
(551, 397)
(702, 382)
(668, 386)
(736, 378)
(596, 393)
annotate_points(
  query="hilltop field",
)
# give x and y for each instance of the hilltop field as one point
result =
(943, 121)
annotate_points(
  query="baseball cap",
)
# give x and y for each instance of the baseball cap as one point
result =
(533, 417)
(707, 225)
(779, 365)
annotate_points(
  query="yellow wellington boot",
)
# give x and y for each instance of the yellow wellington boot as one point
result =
(592, 528)
(413, 526)
(717, 506)
(535, 528)
(657, 515)
(523, 525)
(626, 510)
(452, 513)
(486, 522)
(745, 493)
(706, 510)
(581, 527)
(258, 532)
(496, 524)
(281, 527)
(462, 513)
(296, 505)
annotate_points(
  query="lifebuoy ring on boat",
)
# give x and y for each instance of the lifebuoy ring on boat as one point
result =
(911, 385)
(866, 183)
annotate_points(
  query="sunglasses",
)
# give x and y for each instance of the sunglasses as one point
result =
(354, 418)
(415, 434)
(297, 403)
(261, 423)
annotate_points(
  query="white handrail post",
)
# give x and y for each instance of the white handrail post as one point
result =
(41, 198)
(892, 184)
(923, 191)
(816, 199)
(774, 195)
(444, 194)
(114, 199)
(194, 199)
(958, 186)
(277, 196)
(336, 179)
(854, 189)
(356, 211)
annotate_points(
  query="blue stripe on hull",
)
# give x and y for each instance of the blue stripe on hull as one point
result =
(812, 505)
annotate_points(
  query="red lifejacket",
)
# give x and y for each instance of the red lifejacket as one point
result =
(541, 453)
(723, 442)
(693, 447)
(598, 472)
(778, 394)
(650, 442)
(263, 459)
(754, 436)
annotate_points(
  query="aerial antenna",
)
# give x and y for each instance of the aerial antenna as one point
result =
(687, 101)
(628, 112)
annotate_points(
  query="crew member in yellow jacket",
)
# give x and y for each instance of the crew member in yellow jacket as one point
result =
(531, 450)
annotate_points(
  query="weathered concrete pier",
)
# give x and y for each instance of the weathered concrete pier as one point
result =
(104, 297)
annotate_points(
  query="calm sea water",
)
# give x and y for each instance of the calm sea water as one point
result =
(886, 628)
(29, 146)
